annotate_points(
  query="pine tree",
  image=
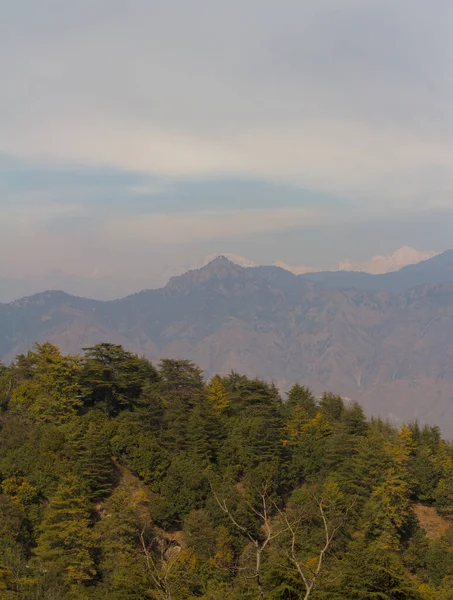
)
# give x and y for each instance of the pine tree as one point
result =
(331, 406)
(182, 387)
(117, 535)
(93, 462)
(65, 543)
(354, 420)
(202, 434)
(374, 571)
(301, 396)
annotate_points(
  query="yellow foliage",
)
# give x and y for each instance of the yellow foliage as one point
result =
(19, 490)
(217, 396)
(224, 557)
(295, 425)
(407, 441)
(320, 425)
(312, 562)
(301, 425)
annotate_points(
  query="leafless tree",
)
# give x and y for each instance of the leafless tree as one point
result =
(271, 529)
(310, 575)
(161, 558)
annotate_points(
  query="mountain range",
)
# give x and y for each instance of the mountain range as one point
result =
(384, 340)
(101, 285)
(377, 265)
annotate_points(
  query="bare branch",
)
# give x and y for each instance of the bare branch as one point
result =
(308, 576)
(268, 527)
(159, 571)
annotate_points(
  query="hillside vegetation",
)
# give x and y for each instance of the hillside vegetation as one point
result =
(121, 480)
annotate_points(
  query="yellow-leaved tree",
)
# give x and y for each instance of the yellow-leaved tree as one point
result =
(217, 396)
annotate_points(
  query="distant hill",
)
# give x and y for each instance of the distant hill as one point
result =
(384, 340)
(438, 269)
(379, 264)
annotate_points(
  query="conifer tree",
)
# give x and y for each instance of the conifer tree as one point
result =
(117, 535)
(374, 571)
(202, 432)
(65, 543)
(331, 406)
(51, 392)
(93, 462)
(182, 386)
(217, 396)
(301, 396)
(114, 378)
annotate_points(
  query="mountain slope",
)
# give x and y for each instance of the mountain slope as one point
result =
(391, 351)
(438, 269)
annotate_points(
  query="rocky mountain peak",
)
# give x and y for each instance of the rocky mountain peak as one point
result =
(220, 268)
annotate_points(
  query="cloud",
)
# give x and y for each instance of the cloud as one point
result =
(303, 130)
(335, 95)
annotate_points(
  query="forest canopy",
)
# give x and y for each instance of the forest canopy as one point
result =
(124, 480)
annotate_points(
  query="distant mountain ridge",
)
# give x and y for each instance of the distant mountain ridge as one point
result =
(105, 286)
(377, 265)
(384, 340)
(438, 269)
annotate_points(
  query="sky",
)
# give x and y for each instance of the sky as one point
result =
(138, 137)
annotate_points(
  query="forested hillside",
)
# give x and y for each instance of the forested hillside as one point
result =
(391, 352)
(122, 480)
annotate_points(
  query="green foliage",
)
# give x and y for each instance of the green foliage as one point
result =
(117, 535)
(301, 396)
(374, 571)
(65, 542)
(199, 534)
(123, 481)
(52, 391)
(92, 462)
(331, 406)
(114, 378)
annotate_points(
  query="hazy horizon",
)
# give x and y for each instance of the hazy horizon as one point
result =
(139, 138)
(109, 288)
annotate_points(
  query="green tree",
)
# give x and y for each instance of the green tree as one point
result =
(203, 433)
(331, 406)
(182, 387)
(199, 534)
(65, 542)
(114, 378)
(303, 397)
(51, 392)
(372, 572)
(93, 462)
(118, 538)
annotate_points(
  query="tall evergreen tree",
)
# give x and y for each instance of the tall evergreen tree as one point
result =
(117, 534)
(93, 462)
(65, 542)
(183, 388)
(303, 397)
(114, 378)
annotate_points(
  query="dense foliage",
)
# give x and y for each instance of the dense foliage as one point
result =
(123, 481)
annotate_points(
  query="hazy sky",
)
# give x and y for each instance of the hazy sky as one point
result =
(138, 136)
